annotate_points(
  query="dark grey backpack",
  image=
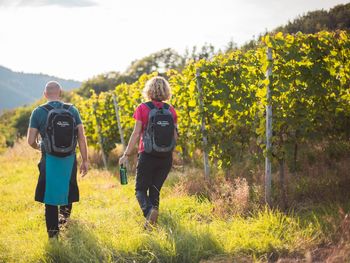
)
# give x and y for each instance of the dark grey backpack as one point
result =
(60, 137)
(158, 137)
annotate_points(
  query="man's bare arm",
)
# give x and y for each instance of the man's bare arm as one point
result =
(32, 138)
(82, 142)
(83, 150)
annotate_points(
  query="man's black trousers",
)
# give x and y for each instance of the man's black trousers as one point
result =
(52, 213)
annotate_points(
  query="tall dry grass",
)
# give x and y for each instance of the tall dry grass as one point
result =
(21, 151)
(229, 196)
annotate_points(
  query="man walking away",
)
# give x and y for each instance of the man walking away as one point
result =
(60, 128)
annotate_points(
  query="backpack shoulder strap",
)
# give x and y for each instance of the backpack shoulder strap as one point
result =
(150, 105)
(47, 107)
(166, 106)
(67, 106)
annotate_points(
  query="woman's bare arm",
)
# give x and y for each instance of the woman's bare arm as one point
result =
(134, 139)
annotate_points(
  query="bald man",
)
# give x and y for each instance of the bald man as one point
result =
(57, 186)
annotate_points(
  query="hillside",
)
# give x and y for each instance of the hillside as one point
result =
(337, 18)
(18, 88)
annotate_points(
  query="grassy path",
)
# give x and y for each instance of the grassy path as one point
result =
(106, 224)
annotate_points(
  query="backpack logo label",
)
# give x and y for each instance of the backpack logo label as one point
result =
(163, 123)
(62, 124)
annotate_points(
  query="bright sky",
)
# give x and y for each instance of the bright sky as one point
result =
(81, 38)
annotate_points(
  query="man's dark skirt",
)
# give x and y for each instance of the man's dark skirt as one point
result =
(57, 184)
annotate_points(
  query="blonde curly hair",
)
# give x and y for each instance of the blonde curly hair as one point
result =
(157, 88)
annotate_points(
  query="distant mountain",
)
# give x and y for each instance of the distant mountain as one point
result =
(17, 89)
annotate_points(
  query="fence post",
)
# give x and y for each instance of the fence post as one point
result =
(100, 137)
(268, 129)
(121, 133)
(203, 129)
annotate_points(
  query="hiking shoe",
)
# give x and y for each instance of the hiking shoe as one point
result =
(151, 219)
(152, 216)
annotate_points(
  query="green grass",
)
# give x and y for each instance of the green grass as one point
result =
(107, 225)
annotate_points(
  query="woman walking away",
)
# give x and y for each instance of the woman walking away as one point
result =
(155, 131)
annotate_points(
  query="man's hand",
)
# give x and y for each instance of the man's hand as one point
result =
(32, 137)
(84, 167)
(83, 150)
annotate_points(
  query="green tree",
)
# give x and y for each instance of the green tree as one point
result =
(160, 62)
(315, 21)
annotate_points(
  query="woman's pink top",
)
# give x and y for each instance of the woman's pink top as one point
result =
(141, 114)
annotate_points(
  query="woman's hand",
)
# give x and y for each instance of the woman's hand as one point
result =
(123, 159)
(134, 138)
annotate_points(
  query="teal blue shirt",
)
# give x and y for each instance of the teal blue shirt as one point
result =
(39, 115)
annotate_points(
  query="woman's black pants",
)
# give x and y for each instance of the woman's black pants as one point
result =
(151, 173)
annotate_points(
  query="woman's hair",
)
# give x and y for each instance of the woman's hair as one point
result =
(157, 88)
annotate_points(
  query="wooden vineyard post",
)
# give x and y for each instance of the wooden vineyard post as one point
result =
(121, 133)
(104, 159)
(203, 129)
(268, 130)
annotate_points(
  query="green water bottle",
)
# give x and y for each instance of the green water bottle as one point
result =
(123, 175)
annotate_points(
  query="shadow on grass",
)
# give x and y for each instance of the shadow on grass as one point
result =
(174, 240)
(76, 243)
(191, 241)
